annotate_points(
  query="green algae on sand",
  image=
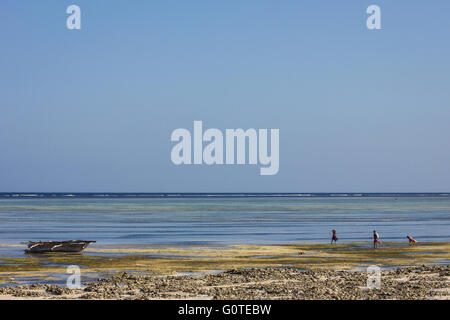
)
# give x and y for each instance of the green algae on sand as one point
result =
(201, 259)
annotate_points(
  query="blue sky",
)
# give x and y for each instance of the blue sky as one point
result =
(93, 109)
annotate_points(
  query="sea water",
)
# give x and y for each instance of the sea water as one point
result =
(124, 220)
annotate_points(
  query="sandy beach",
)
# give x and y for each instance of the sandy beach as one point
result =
(297, 271)
(425, 282)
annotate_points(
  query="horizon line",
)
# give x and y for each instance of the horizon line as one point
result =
(22, 195)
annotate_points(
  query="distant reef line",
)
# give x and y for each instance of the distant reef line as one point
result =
(31, 195)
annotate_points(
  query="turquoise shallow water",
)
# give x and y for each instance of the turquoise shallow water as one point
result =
(220, 221)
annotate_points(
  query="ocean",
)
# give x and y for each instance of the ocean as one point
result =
(136, 220)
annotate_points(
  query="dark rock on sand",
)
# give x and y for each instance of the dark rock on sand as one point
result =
(423, 282)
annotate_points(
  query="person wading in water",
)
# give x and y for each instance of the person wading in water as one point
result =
(376, 239)
(412, 241)
(334, 237)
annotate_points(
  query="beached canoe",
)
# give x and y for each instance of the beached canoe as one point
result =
(57, 246)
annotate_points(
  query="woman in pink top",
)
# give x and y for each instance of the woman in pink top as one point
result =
(376, 239)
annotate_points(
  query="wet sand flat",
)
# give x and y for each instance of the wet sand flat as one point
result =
(200, 259)
(274, 266)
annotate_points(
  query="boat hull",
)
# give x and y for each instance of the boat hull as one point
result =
(57, 246)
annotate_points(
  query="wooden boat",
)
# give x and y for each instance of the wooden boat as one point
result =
(57, 246)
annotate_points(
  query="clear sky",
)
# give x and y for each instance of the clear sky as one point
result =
(93, 109)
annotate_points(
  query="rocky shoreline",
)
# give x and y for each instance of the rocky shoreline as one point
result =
(424, 282)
